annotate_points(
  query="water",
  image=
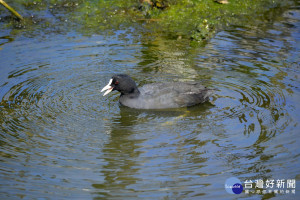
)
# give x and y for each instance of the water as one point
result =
(60, 139)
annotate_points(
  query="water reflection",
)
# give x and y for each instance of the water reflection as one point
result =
(120, 154)
(5, 39)
(60, 137)
(162, 57)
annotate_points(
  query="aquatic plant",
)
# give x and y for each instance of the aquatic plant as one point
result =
(194, 20)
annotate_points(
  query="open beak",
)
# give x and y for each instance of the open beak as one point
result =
(108, 88)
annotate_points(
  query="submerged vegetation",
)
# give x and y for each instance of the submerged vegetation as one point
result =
(196, 20)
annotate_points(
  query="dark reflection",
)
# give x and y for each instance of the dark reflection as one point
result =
(122, 153)
(129, 117)
(119, 154)
(5, 39)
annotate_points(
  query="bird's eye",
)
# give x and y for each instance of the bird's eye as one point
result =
(117, 82)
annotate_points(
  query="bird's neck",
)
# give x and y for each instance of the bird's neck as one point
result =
(134, 93)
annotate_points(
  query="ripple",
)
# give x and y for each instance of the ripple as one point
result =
(58, 134)
(255, 104)
(44, 107)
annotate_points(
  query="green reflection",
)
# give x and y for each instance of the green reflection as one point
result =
(195, 20)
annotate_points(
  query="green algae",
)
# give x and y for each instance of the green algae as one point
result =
(197, 21)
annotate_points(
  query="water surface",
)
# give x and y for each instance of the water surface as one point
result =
(60, 139)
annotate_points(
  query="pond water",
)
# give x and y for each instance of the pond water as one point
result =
(61, 139)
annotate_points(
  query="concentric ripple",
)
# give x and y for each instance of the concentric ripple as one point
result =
(60, 138)
(257, 105)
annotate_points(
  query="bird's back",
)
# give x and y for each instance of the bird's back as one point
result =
(168, 95)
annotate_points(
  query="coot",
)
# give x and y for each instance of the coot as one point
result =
(157, 95)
